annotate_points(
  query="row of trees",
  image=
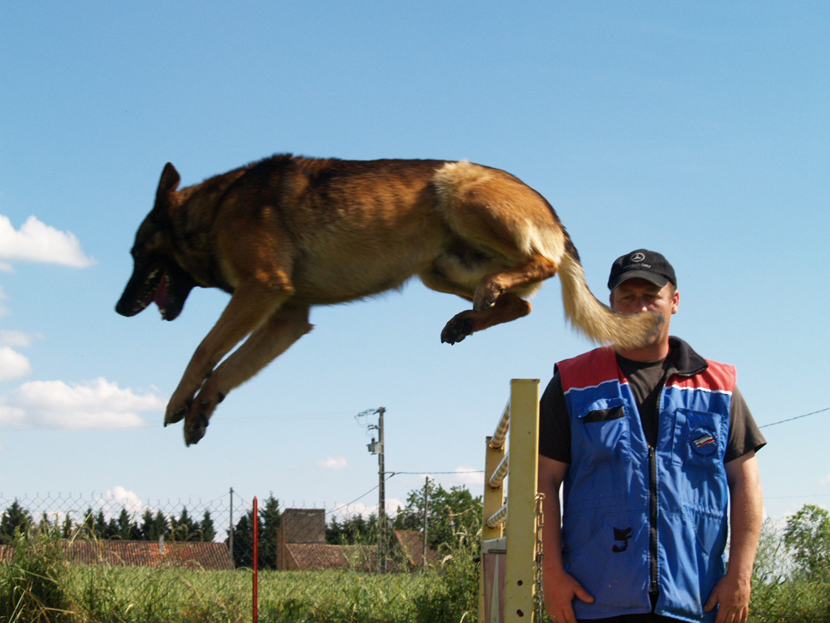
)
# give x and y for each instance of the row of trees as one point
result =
(90, 525)
(451, 513)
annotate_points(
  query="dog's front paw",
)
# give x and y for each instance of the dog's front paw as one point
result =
(177, 409)
(195, 427)
(199, 414)
(457, 329)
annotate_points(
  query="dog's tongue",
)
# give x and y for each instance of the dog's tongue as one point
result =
(160, 295)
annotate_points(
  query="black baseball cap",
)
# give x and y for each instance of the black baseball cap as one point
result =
(642, 264)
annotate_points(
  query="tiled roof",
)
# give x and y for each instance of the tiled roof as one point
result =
(213, 556)
(412, 544)
(316, 556)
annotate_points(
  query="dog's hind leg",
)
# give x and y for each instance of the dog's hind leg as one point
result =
(495, 294)
(508, 307)
(495, 302)
(507, 240)
(285, 326)
(520, 277)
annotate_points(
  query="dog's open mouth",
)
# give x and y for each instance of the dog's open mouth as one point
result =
(162, 284)
(156, 289)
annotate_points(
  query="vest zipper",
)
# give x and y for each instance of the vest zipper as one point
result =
(652, 497)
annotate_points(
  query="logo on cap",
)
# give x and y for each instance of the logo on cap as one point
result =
(638, 257)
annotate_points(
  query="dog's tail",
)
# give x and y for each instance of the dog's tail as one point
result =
(599, 322)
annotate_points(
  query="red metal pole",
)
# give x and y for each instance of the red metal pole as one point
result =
(256, 561)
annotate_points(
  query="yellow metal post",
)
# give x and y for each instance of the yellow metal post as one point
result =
(493, 501)
(519, 585)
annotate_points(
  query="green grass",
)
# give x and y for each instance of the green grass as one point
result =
(37, 586)
(110, 594)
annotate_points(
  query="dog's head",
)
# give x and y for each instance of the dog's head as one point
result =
(157, 276)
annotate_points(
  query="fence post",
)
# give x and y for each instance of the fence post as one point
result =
(512, 548)
(493, 500)
(426, 523)
(255, 599)
(520, 588)
(230, 533)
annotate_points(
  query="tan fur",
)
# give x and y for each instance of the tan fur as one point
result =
(288, 233)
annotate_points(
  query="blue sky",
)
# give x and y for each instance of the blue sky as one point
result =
(699, 129)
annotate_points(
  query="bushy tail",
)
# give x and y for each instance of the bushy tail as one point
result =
(599, 322)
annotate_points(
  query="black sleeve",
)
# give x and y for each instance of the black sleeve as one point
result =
(744, 434)
(554, 423)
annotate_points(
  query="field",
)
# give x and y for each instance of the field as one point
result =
(225, 596)
(37, 586)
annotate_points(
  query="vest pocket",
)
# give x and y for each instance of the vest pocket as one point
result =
(608, 555)
(605, 430)
(698, 442)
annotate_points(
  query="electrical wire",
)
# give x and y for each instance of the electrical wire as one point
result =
(798, 417)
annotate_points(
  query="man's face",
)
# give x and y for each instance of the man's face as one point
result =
(638, 295)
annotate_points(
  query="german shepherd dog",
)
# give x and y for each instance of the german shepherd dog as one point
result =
(287, 233)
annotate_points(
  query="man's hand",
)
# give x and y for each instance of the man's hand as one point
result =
(560, 589)
(732, 590)
(732, 594)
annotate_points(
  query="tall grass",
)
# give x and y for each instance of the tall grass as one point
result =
(38, 586)
(32, 585)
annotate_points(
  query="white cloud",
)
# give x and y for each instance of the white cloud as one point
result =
(333, 463)
(13, 365)
(18, 339)
(92, 404)
(37, 242)
(117, 498)
(467, 476)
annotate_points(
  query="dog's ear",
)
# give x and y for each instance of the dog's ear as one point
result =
(169, 181)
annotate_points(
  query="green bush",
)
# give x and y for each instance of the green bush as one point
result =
(32, 581)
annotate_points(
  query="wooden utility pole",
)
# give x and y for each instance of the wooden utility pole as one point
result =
(381, 497)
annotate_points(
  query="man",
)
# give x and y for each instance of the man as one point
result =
(651, 444)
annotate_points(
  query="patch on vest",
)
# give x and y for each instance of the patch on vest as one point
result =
(621, 535)
(704, 442)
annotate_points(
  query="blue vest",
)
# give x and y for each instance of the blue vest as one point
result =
(639, 519)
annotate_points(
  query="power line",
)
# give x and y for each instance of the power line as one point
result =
(347, 504)
(798, 417)
(471, 471)
(790, 497)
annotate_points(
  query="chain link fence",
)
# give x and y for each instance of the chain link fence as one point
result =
(161, 546)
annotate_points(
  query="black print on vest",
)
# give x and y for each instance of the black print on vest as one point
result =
(621, 535)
